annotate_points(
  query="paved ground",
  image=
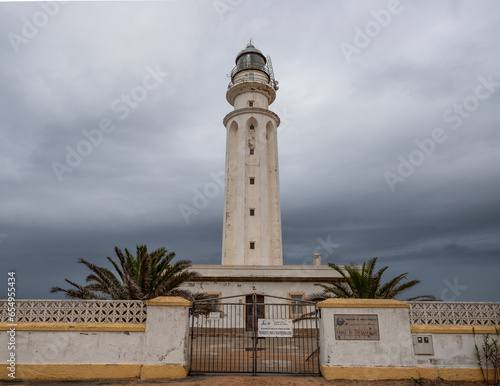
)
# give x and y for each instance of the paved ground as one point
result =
(252, 381)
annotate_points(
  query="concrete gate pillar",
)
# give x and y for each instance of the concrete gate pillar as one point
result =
(166, 339)
(366, 339)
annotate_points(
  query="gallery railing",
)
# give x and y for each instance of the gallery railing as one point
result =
(455, 313)
(245, 80)
(249, 66)
(74, 311)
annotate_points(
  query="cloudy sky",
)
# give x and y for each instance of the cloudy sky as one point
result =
(111, 123)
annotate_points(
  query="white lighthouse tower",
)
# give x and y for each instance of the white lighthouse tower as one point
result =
(252, 215)
(252, 257)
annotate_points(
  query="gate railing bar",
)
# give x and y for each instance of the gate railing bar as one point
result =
(254, 328)
(217, 299)
(288, 299)
(191, 311)
(240, 296)
(318, 315)
(302, 347)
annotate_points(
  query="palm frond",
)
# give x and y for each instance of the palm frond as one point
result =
(140, 277)
(364, 282)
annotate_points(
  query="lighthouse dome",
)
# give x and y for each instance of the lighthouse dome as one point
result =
(250, 58)
(250, 54)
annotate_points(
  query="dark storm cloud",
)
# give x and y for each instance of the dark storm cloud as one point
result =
(344, 124)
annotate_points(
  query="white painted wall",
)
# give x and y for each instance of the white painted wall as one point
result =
(450, 350)
(46, 347)
(166, 337)
(165, 341)
(230, 288)
(395, 347)
(260, 100)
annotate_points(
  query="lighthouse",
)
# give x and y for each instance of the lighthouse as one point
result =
(252, 215)
(252, 257)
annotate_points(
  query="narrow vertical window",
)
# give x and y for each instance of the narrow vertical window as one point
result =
(252, 212)
(297, 305)
(252, 181)
(251, 127)
(250, 103)
(252, 245)
(251, 151)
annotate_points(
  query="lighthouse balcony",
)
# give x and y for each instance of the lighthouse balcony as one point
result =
(250, 74)
(243, 80)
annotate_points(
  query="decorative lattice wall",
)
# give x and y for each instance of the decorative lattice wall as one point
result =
(134, 311)
(75, 311)
(455, 313)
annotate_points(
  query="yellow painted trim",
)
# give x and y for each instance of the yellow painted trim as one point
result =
(74, 372)
(169, 301)
(164, 371)
(131, 327)
(426, 329)
(362, 303)
(453, 374)
(88, 372)
(382, 373)
(368, 373)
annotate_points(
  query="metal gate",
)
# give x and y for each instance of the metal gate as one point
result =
(254, 334)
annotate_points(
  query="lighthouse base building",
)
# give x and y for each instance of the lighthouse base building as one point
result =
(287, 281)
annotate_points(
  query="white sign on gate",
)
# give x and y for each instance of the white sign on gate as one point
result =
(214, 315)
(275, 328)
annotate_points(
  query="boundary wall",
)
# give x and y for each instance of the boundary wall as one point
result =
(402, 350)
(156, 349)
(360, 339)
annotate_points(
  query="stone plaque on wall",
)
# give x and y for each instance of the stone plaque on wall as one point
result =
(356, 327)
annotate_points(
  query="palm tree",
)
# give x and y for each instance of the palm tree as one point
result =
(140, 277)
(364, 283)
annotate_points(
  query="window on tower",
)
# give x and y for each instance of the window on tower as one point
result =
(252, 151)
(252, 245)
(251, 127)
(250, 76)
(250, 103)
(252, 212)
(252, 181)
